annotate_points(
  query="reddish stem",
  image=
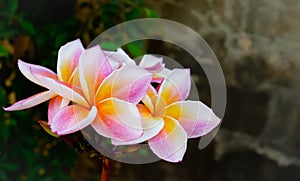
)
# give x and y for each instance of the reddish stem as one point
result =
(106, 169)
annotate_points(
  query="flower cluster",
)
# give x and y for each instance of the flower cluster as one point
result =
(114, 95)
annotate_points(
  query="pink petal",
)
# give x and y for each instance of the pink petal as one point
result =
(120, 119)
(195, 117)
(31, 101)
(62, 89)
(176, 86)
(157, 79)
(152, 64)
(129, 83)
(55, 105)
(171, 142)
(93, 68)
(151, 126)
(118, 59)
(160, 76)
(29, 70)
(68, 57)
(72, 118)
(100, 127)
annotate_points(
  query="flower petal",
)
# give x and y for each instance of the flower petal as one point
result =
(72, 118)
(129, 83)
(151, 92)
(29, 70)
(118, 59)
(63, 89)
(151, 126)
(159, 106)
(152, 64)
(176, 86)
(93, 68)
(55, 105)
(100, 127)
(195, 117)
(147, 99)
(74, 79)
(120, 119)
(148, 103)
(164, 73)
(171, 142)
(31, 101)
(160, 76)
(68, 57)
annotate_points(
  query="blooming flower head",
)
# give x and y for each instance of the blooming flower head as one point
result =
(111, 98)
(87, 91)
(169, 120)
(108, 91)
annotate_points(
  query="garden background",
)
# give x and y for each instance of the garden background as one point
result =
(256, 41)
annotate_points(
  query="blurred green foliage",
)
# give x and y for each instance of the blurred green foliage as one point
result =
(28, 33)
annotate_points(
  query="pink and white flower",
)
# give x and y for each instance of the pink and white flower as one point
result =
(110, 98)
(169, 120)
(67, 62)
(86, 90)
(108, 91)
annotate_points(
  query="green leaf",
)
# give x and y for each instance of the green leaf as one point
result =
(133, 14)
(9, 166)
(109, 46)
(28, 156)
(12, 122)
(7, 33)
(150, 13)
(12, 6)
(4, 131)
(3, 96)
(27, 27)
(143, 152)
(3, 175)
(135, 49)
(60, 40)
(3, 52)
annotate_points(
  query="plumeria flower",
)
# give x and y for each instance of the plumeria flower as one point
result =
(67, 62)
(150, 63)
(118, 58)
(108, 91)
(110, 98)
(88, 92)
(169, 120)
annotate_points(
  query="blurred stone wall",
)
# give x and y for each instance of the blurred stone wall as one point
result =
(258, 45)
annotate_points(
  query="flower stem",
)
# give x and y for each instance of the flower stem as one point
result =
(106, 169)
